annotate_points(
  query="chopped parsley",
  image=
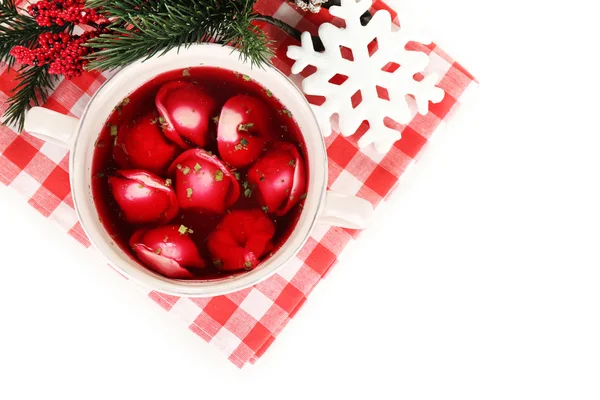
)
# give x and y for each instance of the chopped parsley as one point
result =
(197, 167)
(237, 175)
(292, 163)
(168, 182)
(248, 192)
(265, 209)
(242, 144)
(246, 78)
(125, 101)
(185, 171)
(269, 93)
(184, 229)
(162, 120)
(245, 127)
(113, 130)
(158, 250)
(189, 192)
(185, 72)
(218, 175)
(217, 263)
(286, 112)
(303, 196)
(248, 264)
(216, 119)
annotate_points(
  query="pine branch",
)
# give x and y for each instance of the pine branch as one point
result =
(34, 85)
(18, 29)
(143, 29)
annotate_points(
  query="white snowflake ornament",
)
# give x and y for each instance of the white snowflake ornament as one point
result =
(365, 73)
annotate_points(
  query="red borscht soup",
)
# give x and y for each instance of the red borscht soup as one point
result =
(200, 173)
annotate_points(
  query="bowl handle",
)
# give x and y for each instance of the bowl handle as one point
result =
(346, 211)
(51, 126)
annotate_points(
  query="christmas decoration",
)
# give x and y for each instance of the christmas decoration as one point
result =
(364, 73)
(41, 40)
(313, 6)
(160, 25)
(48, 12)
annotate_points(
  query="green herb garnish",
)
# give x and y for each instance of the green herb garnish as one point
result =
(218, 175)
(113, 130)
(197, 167)
(189, 192)
(186, 72)
(244, 128)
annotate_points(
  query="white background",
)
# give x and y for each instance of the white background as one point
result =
(478, 280)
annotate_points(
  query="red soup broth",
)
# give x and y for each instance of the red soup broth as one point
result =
(221, 85)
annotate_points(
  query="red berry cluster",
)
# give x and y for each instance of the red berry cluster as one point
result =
(62, 51)
(59, 12)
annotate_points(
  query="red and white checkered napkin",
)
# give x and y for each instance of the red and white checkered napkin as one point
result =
(242, 324)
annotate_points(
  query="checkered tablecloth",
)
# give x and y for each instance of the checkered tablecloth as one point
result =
(244, 324)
